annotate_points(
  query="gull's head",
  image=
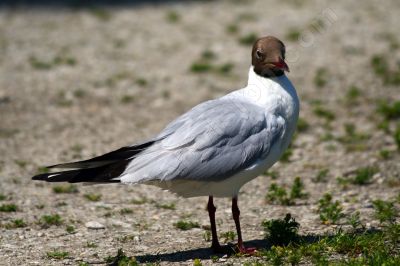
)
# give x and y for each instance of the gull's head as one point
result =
(268, 57)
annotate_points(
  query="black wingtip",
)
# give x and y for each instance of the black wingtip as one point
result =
(38, 177)
(101, 174)
(124, 153)
(54, 177)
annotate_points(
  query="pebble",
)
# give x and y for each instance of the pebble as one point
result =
(121, 224)
(94, 225)
(223, 258)
(142, 247)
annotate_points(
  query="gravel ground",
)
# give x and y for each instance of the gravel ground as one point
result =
(79, 82)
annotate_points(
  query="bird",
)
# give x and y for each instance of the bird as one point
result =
(214, 148)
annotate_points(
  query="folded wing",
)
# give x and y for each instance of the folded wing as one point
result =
(211, 142)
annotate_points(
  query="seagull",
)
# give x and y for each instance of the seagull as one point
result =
(214, 148)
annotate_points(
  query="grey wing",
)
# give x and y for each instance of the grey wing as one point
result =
(211, 142)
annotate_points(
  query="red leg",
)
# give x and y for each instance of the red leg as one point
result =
(236, 214)
(216, 247)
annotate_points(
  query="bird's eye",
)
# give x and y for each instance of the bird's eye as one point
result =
(259, 54)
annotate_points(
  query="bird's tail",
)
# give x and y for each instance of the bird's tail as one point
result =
(102, 174)
(106, 168)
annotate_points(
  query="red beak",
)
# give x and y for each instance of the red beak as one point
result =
(281, 65)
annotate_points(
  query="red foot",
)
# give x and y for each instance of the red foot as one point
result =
(247, 251)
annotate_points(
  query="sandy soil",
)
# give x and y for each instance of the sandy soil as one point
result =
(79, 82)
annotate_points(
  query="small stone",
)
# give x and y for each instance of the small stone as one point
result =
(94, 225)
(223, 258)
(142, 247)
(119, 223)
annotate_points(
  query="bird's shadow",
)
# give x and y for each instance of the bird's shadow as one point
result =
(207, 253)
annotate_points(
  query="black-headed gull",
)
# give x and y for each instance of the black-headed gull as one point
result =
(214, 148)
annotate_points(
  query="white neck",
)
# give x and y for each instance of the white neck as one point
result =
(276, 94)
(268, 83)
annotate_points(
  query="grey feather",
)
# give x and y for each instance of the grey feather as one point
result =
(211, 142)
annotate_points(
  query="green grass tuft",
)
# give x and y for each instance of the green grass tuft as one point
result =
(363, 176)
(273, 174)
(57, 61)
(321, 77)
(125, 211)
(321, 176)
(281, 232)
(297, 190)
(208, 55)
(16, 223)
(324, 113)
(139, 201)
(91, 245)
(100, 13)
(92, 197)
(389, 111)
(38, 64)
(232, 28)
(352, 94)
(70, 229)
(248, 39)
(302, 125)
(67, 188)
(377, 247)
(385, 154)
(380, 65)
(228, 236)
(141, 82)
(186, 225)
(173, 16)
(278, 194)
(197, 262)
(58, 255)
(125, 99)
(167, 206)
(385, 211)
(381, 68)
(293, 34)
(354, 220)
(121, 260)
(201, 67)
(225, 68)
(353, 140)
(329, 211)
(51, 219)
(8, 208)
